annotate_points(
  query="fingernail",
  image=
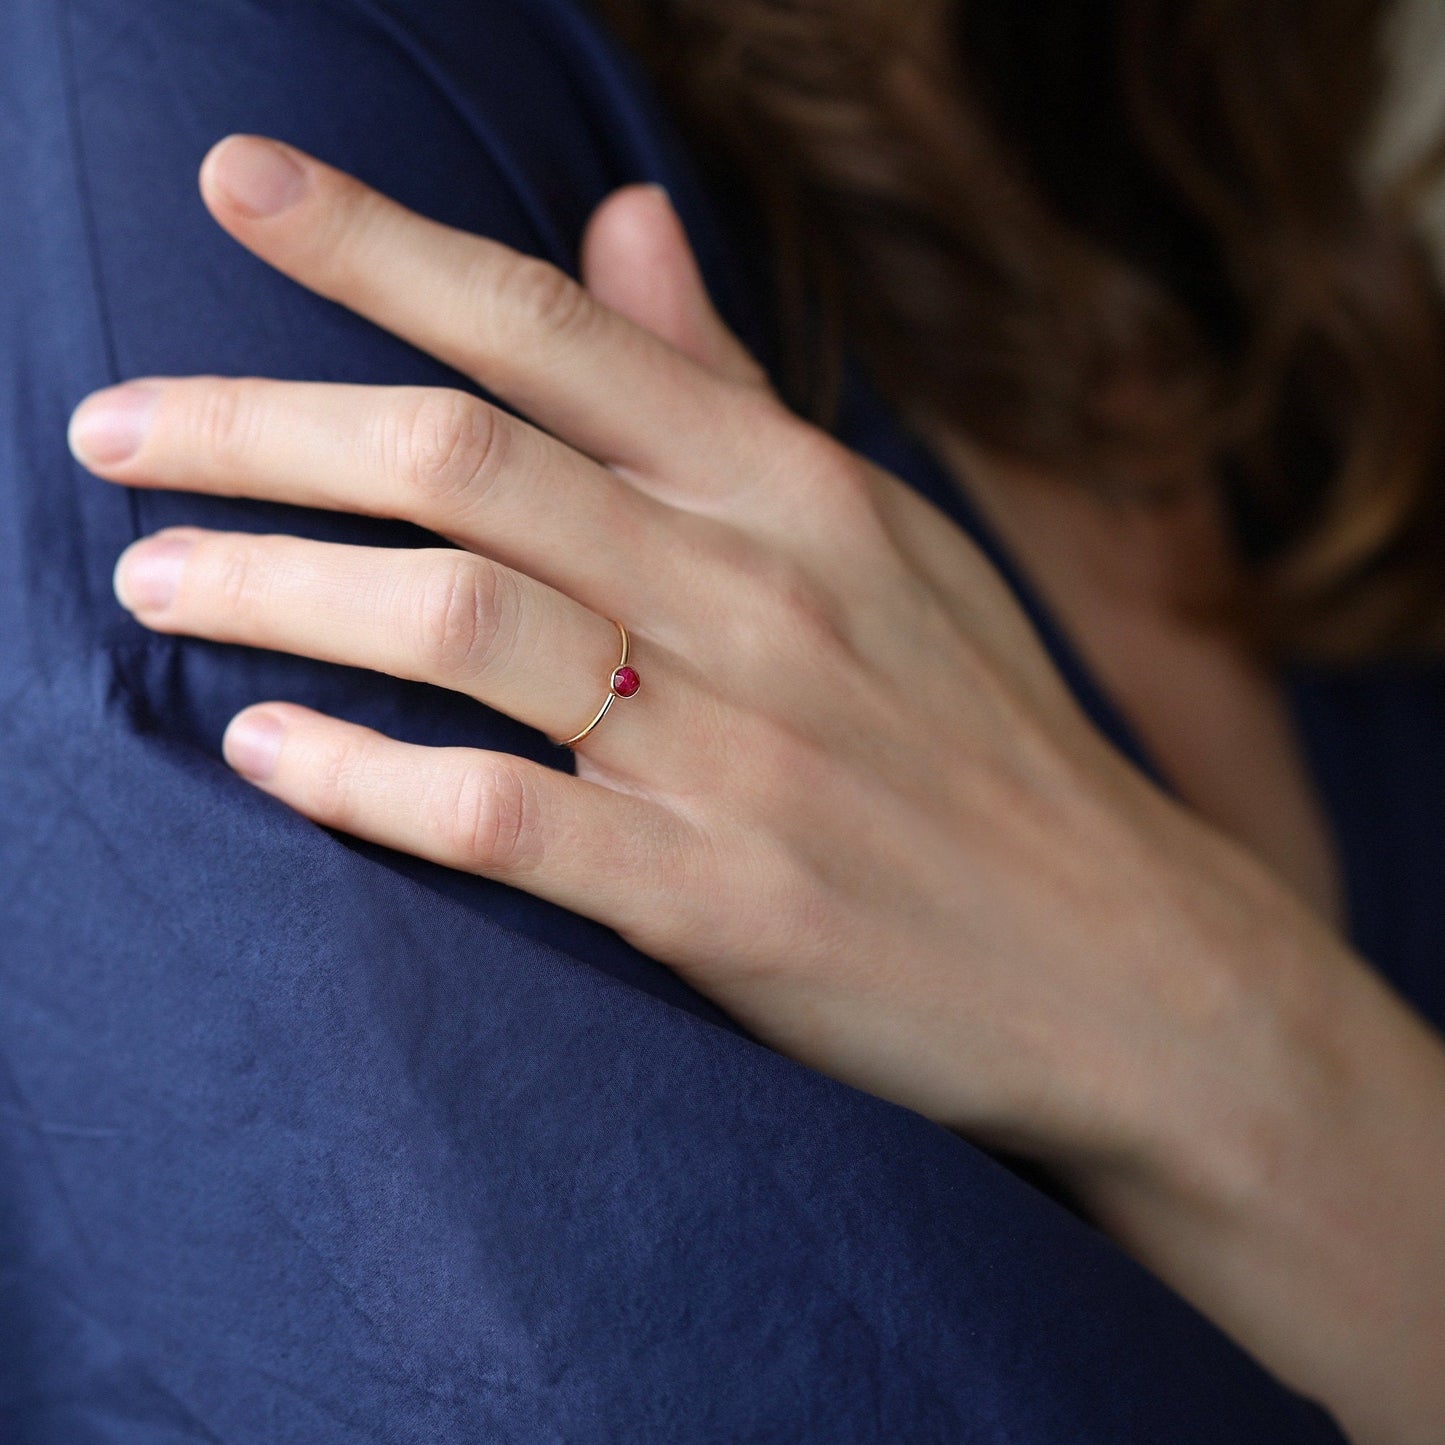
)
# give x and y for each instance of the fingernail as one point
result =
(148, 575)
(109, 427)
(261, 178)
(252, 744)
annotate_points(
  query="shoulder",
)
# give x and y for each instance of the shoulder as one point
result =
(510, 117)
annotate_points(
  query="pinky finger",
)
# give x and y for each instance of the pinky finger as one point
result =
(589, 848)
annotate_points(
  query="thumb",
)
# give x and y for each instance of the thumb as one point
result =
(636, 259)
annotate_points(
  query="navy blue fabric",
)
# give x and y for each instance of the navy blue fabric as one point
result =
(301, 1140)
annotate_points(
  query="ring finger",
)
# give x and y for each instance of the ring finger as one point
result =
(436, 615)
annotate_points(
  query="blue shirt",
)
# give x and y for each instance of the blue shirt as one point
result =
(303, 1140)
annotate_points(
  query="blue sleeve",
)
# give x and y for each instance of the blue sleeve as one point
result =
(304, 1141)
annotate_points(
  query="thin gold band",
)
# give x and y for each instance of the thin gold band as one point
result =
(611, 693)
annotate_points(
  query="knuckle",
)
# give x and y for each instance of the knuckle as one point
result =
(337, 784)
(782, 607)
(805, 454)
(750, 374)
(451, 446)
(841, 479)
(804, 616)
(465, 617)
(745, 898)
(839, 487)
(542, 300)
(696, 872)
(491, 819)
(853, 483)
(227, 419)
(236, 578)
(751, 415)
(347, 222)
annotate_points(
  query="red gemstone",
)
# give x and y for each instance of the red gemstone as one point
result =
(625, 681)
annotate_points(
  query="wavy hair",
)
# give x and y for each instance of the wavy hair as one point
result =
(1126, 239)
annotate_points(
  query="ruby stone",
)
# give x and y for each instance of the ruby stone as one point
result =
(625, 681)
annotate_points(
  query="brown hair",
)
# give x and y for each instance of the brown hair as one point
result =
(1128, 238)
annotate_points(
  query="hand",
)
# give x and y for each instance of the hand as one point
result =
(852, 801)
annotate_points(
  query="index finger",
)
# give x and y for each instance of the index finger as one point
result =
(517, 325)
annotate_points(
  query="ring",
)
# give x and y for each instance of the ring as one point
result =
(624, 683)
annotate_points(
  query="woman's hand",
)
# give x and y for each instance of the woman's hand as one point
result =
(851, 801)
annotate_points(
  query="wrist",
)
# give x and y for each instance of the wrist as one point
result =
(1293, 1193)
(1275, 1062)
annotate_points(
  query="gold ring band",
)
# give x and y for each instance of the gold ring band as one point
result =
(624, 683)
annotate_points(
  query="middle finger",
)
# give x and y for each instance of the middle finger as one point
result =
(445, 460)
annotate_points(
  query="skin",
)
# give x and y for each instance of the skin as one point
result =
(1134, 584)
(853, 802)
